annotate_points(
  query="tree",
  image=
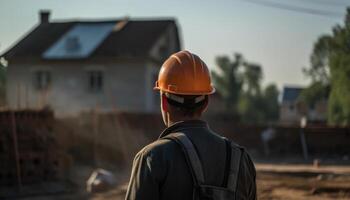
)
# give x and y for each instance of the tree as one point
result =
(251, 102)
(252, 77)
(256, 105)
(315, 92)
(271, 106)
(319, 71)
(238, 81)
(330, 72)
(228, 81)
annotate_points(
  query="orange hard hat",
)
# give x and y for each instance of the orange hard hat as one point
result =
(184, 73)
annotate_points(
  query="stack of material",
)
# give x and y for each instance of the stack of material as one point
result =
(28, 152)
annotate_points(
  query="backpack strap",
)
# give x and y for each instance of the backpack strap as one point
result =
(190, 154)
(227, 163)
(236, 153)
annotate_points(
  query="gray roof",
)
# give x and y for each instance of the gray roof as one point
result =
(291, 94)
(132, 39)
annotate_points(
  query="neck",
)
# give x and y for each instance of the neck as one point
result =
(174, 119)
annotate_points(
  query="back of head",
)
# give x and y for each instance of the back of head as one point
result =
(184, 81)
(187, 105)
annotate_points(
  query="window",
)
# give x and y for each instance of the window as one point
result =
(42, 80)
(95, 81)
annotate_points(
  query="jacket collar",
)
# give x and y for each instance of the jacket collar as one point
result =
(178, 126)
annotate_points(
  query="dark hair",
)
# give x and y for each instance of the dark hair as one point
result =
(189, 107)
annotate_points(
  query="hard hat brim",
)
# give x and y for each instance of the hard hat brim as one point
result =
(212, 91)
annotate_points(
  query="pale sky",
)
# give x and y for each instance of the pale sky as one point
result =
(280, 40)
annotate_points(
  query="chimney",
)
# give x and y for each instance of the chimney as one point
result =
(44, 16)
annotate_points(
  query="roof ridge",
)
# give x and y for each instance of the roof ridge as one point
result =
(107, 20)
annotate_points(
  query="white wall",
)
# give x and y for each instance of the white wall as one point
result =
(125, 87)
(152, 99)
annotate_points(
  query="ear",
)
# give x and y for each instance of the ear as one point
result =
(164, 103)
(205, 106)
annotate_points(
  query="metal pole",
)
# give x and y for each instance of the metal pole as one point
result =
(95, 130)
(18, 96)
(26, 97)
(303, 144)
(15, 146)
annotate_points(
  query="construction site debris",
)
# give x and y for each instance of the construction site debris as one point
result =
(28, 150)
(100, 180)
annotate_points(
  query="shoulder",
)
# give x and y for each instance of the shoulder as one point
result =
(157, 147)
(247, 172)
(247, 162)
(153, 159)
(158, 151)
(246, 187)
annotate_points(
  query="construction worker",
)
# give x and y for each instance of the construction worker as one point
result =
(189, 160)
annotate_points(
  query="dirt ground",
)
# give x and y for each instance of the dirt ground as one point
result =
(303, 182)
(272, 185)
(289, 186)
(294, 182)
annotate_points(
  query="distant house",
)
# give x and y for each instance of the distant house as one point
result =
(292, 109)
(75, 66)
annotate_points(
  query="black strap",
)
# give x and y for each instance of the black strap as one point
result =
(227, 163)
(236, 153)
(190, 155)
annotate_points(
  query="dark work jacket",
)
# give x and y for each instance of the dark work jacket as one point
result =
(160, 170)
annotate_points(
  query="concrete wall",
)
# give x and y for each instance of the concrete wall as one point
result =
(285, 142)
(289, 113)
(126, 87)
(152, 96)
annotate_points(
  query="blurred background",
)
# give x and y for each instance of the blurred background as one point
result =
(77, 103)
